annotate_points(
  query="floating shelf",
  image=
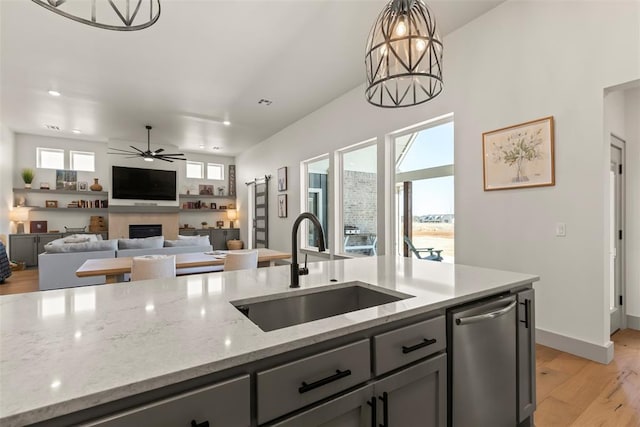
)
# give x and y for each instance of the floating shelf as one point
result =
(39, 208)
(203, 210)
(204, 196)
(37, 190)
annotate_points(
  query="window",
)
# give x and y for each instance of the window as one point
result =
(424, 167)
(49, 158)
(317, 196)
(195, 170)
(82, 161)
(215, 171)
(359, 199)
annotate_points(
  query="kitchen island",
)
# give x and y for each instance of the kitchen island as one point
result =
(96, 352)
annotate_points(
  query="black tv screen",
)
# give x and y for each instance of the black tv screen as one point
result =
(143, 184)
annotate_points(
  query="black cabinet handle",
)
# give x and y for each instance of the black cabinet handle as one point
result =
(425, 342)
(308, 387)
(385, 409)
(374, 411)
(202, 424)
(527, 312)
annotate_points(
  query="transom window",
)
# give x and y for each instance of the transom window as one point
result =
(82, 161)
(49, 158)
(195, 170)
(215, 171)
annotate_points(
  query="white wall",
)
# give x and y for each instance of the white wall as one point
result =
(632, 170)
(521, 61)
(6, 175)
(25, 156)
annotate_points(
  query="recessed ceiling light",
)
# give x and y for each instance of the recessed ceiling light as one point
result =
(201, 146)
(226, 123)
(76, 131)
(54, 93)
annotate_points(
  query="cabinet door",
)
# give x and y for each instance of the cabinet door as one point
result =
(414, 397)
(223, 404)
(353, 409)
(526, 355)
(22, 247)
(219, 238)
(43, 239)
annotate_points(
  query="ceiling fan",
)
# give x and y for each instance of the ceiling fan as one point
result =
(149, 155)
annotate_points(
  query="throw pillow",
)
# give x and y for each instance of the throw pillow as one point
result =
(154, 242)
(102, 245)
(197, 241)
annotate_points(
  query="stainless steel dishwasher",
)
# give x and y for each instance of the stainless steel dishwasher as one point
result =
(482, 360)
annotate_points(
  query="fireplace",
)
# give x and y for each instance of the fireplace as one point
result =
(145, 230)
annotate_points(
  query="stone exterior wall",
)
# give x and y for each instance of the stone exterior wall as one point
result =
(360, 200)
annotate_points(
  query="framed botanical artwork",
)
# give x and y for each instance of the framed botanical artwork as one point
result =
(51, 203)
(282, 205)
(282, 179)
(205, 190)
(519, 156)
(83, 185)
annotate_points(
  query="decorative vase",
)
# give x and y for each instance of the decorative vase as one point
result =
(96, 185)
(235, 244)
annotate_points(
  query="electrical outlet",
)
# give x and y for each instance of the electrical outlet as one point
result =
(561, 229)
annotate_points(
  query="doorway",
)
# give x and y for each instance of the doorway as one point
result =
(616, 248)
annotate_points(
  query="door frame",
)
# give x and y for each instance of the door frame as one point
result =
(619, 143)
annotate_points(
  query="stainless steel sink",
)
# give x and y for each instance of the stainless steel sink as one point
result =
(306, 307)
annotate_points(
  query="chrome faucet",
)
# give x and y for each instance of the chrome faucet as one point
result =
(295, 268)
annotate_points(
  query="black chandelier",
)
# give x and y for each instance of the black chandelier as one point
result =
(130, 15)
(404, 56)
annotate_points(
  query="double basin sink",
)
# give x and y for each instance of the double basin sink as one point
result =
(313, 305)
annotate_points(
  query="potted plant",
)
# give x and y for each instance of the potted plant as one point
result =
(204, 224)
(27, 177)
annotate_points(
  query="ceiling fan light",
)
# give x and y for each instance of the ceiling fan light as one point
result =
(403, 58)
(148, 159)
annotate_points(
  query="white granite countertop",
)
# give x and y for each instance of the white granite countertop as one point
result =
(66, 350)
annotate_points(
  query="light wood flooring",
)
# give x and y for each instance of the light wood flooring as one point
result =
(571, 391)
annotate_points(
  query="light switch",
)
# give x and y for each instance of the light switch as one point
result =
(561, 229)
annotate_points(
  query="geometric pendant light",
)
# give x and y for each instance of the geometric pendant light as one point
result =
(404, 56)
(126, 15)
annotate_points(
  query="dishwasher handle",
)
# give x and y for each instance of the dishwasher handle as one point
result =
(486, 316)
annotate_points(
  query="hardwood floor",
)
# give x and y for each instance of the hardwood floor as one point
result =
(571, 391)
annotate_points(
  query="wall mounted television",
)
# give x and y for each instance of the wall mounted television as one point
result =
(143, 184)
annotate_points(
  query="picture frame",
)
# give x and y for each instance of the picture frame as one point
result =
(282, 179)
(66, 180)
(222, 207)
(38, 226)
(205, 190)
(83, 186)
(213, 206)
(219, 224)
(51, 203)
(519, 156)
(282, 205)
(44, 186)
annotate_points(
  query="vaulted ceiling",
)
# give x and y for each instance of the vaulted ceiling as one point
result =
(202, 63)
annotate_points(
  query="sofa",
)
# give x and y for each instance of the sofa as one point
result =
(62, 257)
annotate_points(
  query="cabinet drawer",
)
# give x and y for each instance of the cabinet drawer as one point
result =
(223, 404)
(288, 387)
(405, 345)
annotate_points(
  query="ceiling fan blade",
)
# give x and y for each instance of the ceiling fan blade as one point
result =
(127, 154)
(171, 157)
(120, 149)
(159, 150)
(172, 154)
(165, 160)
(137, 149)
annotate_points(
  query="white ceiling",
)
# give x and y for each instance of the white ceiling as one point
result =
(203, 62)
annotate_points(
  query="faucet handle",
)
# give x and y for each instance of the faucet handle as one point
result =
(304, 270)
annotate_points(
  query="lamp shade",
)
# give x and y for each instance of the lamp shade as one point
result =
(404, 56)
(232, 214)
(19, 214)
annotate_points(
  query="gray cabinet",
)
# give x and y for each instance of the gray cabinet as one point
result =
(414, 397)
(225, 404)
(526, 355)
(26, 247)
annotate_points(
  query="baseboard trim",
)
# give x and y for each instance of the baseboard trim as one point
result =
(633, 322)
(597, 353)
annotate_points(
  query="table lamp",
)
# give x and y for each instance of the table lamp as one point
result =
(232, 215)
(19, 215)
